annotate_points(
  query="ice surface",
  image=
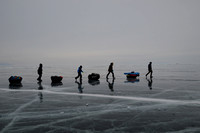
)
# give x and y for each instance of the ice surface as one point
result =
(172, 105)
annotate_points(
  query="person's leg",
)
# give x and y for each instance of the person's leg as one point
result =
(39, 78)
(113, 74)
(107, 75)
(77, 76)
(147, 73)
(80, 75)
(151, 74)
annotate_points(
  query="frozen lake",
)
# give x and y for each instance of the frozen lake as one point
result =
(170, 102)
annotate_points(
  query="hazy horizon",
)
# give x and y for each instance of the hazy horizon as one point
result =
(99, 32)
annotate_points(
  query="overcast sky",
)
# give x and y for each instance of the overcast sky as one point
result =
(99, 31)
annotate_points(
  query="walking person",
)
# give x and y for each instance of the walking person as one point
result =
(40, 72)
(150, 70)
(110, 70)
(79, 73)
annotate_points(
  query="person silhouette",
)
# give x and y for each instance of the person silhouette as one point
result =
(150, 70)
(40, 73)
(79, 73)
(110, 70)
(110, 85)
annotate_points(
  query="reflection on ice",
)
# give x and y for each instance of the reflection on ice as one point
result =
(40, 93)
(40, 86)
(110, 84)
(40, 96)
(94, 82)
(56, 84)
(150, 81)
(132, 80)
(80, 88)
(15, 86)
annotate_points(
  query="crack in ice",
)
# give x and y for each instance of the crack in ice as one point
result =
(14, 114)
